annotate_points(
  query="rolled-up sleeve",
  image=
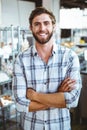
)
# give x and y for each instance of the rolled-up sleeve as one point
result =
(72, 97)
(19, 86)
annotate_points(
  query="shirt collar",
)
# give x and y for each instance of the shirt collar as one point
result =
(34, 51)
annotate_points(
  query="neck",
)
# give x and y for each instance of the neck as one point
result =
(44, 51)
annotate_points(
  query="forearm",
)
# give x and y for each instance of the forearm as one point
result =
(52, 100)
(36, 106)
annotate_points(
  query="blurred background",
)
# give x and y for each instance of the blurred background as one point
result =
(15, 36)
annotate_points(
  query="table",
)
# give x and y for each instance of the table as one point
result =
(5, 113)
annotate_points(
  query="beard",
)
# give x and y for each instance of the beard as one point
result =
(43, 40)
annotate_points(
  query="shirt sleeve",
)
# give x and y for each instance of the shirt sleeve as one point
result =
(73, 72)
(19, 86)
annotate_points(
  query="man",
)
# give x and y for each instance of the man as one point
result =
(46, 78)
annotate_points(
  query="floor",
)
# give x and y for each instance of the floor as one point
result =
(74, 127)
(79, 126)
(76, 124)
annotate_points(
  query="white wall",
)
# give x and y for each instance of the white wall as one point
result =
(15, 12)
(54, 6)
(9, 12)
(73, 18)
(24, 12)
(0, 11)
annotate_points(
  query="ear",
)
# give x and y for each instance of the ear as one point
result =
(30, 27)
(54, 27)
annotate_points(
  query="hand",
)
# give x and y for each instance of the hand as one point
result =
(67, 85)
(30, 94)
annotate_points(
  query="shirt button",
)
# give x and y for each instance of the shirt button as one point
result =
(45, 83)
(45, 121)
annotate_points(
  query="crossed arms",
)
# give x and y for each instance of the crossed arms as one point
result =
(42, 101)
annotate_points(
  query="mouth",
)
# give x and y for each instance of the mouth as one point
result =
(43, 35)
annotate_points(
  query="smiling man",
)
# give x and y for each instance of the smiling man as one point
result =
(47, 80)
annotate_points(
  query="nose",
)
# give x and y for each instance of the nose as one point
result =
(42, 27)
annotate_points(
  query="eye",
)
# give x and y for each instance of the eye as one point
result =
(47, 23)
(36, 24)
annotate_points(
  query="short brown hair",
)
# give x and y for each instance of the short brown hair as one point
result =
(41, 10)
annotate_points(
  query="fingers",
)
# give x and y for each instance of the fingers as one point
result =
(71, 88)
(67, 85)
(68, 81)
(70, 84)
(29, 93)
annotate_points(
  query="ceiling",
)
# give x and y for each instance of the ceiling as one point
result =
(73, 4)
(66, 3)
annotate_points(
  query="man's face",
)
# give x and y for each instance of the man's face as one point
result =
(42, 28)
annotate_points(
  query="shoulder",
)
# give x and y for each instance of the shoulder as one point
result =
(64, 49)
(25, 53)
(66, 52)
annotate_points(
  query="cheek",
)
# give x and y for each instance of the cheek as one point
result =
(35, 30)
(51, 29)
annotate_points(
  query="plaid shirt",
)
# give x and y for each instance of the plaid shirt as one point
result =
(31, 71)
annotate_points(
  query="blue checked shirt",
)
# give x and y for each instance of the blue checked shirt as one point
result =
(31, 71)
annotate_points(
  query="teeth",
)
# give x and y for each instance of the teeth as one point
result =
(42, 34)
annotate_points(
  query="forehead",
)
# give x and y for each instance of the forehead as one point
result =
(42, 18)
